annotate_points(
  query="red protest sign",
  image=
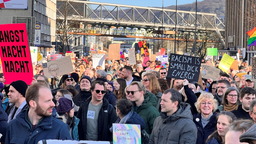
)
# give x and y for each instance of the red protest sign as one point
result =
(15, 53)
(162, 51)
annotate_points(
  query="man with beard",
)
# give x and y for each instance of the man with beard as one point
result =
(36, 123)
(247, 95)
(222, 87)
(127, 75)
(85, 90)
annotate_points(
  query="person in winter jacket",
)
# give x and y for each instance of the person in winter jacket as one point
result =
(135, 93)
(175, 123)
(85, 90)
(3, 123)
(36, 123)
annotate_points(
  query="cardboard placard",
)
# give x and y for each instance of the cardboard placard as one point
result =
(226, 63)
(184, 67)
(210, 72)
(254, 68)
(158, 53)
(114, 52)
(234, 65)
(126, 134)
(153, 57)
(131, 55)
(98, 60)
(212, 51)
(15, 53)
(58, 67)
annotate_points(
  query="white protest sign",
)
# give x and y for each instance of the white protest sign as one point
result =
(126, 134)
(132, 59)
(162, 58)
(33, 52)
(98, 60)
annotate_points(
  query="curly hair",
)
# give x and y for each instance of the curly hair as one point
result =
(206, 96)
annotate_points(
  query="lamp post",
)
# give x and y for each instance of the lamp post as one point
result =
(175, 26)
(162, 24)
(194, 47)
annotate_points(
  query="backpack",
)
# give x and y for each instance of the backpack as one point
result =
(144, 137)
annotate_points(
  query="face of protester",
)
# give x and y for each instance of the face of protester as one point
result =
(89, 73)
(110, 87)
(232, 137)
(71, 112)
(214, 87)
(233, 85)
(253, 114)
(125, 73)
(177, 84)
(148, 64)
(69, 81)
(206, 107)
(133, 93)
(221, 89)
(249, 83)
(167, 106)
(145, 81)
(45, 104)
(243, 80)
(58, 96)
(139, 69)
(109, 77)
(85, 85)
(13, 95)
(163, 73)
(98, 93)
(237, 79)
(232, 97)
(116, 85)
(120, 74)
(246, 100)
(222, 125)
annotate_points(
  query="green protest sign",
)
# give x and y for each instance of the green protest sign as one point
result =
(212, 51)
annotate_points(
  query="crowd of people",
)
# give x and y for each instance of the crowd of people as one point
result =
(84, 105)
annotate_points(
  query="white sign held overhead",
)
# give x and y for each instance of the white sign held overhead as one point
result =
(98, 60)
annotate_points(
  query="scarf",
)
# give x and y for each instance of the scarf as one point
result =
(230, 108)
(123, 120)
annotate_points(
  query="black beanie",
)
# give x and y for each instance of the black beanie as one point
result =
(75, 76)
(86, 77)
(20, 86)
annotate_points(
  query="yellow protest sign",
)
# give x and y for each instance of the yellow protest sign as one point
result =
(142, 51)
(226, 63)
(39, 56)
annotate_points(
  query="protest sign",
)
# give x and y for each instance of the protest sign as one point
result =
(138, 56)
(254, 68)
(114, 52)
(153, 57)
(72, 55)
(98, 60)
(212, 51)
(162, 58)
(184, 67)
(158, 53)
(72, 142)
(15, 53)
(126, 134)
(162, 51)
(54, 57)
(234, 65)
(58, 67)
(226, 63)
(132, 59)
(210, 72)
(33, 52)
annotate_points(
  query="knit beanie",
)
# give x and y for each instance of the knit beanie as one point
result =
(75, 76)
(20, 86)
(65, 105)
(86, 77)
(102, 79)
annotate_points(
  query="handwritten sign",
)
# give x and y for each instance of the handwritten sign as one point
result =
(114, 52)
(162, 58)
(254, 68)
(98, 60)
(15, 53)
(126, 134)
(184, 67)
(131, 55)
(210, 72)
(58, 67)
(226, 63)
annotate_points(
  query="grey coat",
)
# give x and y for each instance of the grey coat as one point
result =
(178, 128)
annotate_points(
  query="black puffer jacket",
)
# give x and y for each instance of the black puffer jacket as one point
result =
(81, 97)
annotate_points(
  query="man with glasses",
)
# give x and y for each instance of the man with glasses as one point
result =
(135, 93)
(163, 73)
(247, 95)
(222, 86)
(96, 115)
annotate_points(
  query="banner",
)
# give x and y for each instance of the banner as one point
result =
(98, 60)
(184, 67)
(210, 72)
(132, 59)
(15, 53)
(126, 134)
(13, 4)
(114, 52)
(226, 63)
(212, 51)
(58, 67)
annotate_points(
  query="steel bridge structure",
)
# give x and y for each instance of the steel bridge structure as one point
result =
(126, 20)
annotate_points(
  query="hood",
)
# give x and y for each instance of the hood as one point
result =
(148, 94)
(183, 112)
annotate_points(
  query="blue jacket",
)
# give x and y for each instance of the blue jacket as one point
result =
(75, 129)
(20, 130)
(111, 97)
(3, 123)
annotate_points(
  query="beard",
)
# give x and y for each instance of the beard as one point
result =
(40, 112)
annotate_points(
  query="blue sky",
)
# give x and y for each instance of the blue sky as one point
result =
(147, 3)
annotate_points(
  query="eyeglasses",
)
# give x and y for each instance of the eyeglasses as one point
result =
(102, 92)
(221, 87)
(69, 79)
(163, 72)
(232, 95)
(58, 96)
(204, 103)
(132, 92)
(145, 80)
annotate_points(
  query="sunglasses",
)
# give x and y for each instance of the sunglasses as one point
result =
(69, 79)
(145, 79)
(132, 92)
(102, 92)
(163, 73)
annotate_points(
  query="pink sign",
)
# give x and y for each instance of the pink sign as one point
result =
(15, 53)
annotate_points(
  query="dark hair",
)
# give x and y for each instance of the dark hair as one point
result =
(224, 74)
(210, 87)
(121, 92)
(227, 83)
(121, 69)
(124, 105)
(72, 90)
(241, 125)
(230, 89)
(32, 92)
(129, 68)
(176, 96)
(247, 90)
(163, 84)
(99, 82)
(253, 103)
(63, 92)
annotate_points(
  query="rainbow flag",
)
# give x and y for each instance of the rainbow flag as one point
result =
(252, 39)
